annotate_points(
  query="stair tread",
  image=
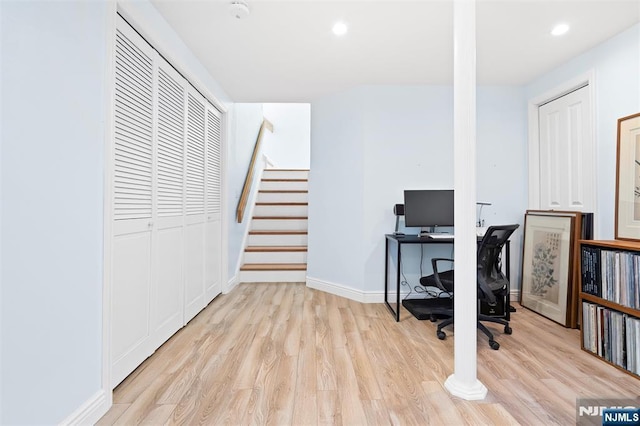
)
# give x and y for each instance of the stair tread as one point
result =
(275, 248)
(284, 180)
(283, 203)
(277, 232)
(283, 191)
(286, 170)
(280, 217)
(274, 267)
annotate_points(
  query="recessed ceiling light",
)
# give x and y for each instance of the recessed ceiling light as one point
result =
(560, 29)
(239, 9)
(339, 28)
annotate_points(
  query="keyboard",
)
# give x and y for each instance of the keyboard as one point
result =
(439, 236)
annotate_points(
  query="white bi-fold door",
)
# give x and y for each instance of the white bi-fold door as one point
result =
(202, 219)
(566, 153)
(166, 260)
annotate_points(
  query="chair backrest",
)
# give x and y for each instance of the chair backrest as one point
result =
(490, 276)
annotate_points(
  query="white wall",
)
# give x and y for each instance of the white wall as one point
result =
(616, 63)
(408, 144)
(53, 130)
(371, 143)
(501, 152)
(336, 191)
(288, 147)
(247, 121)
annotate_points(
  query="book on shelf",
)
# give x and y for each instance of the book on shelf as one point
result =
(612, 275)
(612, 335)
(591, 270)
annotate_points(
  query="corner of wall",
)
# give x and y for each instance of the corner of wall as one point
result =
(346, 292)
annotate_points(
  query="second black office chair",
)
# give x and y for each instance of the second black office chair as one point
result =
(491, 282)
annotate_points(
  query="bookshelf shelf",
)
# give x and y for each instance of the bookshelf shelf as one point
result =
(610, 302)
(607, 303)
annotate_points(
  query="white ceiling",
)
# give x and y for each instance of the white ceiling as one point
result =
(284, 51)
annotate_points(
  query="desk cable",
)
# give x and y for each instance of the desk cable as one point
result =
(419, 288)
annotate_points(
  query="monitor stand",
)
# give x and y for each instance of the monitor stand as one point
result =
(427, 230)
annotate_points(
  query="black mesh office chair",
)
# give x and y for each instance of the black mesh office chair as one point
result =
(490, 280)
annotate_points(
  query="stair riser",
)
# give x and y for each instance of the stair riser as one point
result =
(276, 257)
(284, 186)
(283, 197)
(285, 174)
(277, 240)
(279, 225)
(272, 276)
(280, 210)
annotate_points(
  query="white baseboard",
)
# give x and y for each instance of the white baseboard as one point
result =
(91, 411)
(367, 296)
(344, 291)
(231, 284)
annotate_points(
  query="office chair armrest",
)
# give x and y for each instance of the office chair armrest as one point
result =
(436, 276)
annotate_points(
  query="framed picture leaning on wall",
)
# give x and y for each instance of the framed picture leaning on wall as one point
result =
(549, 264)
(628, 179)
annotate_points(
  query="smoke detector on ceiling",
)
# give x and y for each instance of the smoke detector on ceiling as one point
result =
(239, 9)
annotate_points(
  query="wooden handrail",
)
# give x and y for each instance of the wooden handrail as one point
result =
(246, 189)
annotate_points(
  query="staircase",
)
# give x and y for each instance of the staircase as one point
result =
(276, 248)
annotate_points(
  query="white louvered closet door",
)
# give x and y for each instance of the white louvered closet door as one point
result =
(167, 301)
(195, 204)
(167, 248)
(132, 202)
(213, 184)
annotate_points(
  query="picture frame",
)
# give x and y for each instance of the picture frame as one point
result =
(627, 211)
(550, 274)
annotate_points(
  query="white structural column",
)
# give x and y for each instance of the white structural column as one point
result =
(464, 382)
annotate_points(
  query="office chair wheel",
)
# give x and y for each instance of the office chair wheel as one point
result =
(433, 318)
(494, 345)
(507, 329)
(441, 335)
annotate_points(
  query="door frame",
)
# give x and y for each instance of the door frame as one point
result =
(587, 79)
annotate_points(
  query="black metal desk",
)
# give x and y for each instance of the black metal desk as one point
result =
(399, 241)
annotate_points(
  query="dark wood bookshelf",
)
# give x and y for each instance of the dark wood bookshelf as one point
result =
(611, 245)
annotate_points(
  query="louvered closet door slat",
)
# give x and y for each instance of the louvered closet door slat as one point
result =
(195, 156)
(213, 162)
(133, 131)
(170, 137)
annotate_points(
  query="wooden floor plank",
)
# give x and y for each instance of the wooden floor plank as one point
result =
(285, 354)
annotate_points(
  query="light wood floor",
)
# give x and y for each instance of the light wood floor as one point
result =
(283, 354)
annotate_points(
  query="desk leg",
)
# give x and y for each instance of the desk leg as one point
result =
(386, 275)
(508, 270)
(394, 312)
(398, 284)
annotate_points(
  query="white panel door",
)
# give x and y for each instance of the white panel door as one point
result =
(566, 153)
(195, 205)
(130, 308)
(132, 203)
(213, 225)
(168, 288)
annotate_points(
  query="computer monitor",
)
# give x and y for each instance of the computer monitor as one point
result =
(428, 208)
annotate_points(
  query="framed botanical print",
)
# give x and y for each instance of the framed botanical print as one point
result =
(628, 179)
(548, 265)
